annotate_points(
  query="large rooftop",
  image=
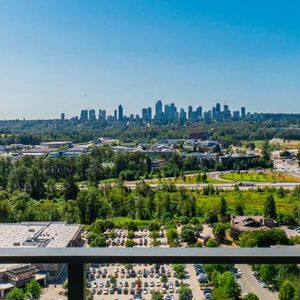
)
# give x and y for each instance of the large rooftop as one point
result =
(37, 234)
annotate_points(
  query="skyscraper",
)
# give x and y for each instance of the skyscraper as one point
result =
(199, 112)
(84, 116)
(120, 112)
(92, 115)
(218, 108)
(62, 116)
(149, 114)
(158, 110)
(243, 112)
(190, 112)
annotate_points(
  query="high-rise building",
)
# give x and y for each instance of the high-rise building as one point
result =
(214, 113)
(92, 115)
(190, 112)
(218, 107)
(144, 114)
(226, 112)
(149, 113)
(102, 115)
(158, 110)
(243, 112)
(115, 115)
(120, 113)
(236, 115)
(84, 116)
(182, 116)
(199, 112)
(62, 116)
(173, 112)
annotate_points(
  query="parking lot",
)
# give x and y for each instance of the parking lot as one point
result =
(138, 281)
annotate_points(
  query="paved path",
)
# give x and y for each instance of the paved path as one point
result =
(251, 285)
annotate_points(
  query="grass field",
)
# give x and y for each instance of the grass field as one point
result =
(292, 144)
(253, 202)
(260, 177)
(188, 179)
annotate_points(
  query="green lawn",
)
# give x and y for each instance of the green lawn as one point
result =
(189, 179)
(260, 177)
(252, 200)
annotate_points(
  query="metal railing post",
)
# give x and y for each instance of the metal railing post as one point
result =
(76, 281)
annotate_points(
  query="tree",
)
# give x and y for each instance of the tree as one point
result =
(223, 207)
(267, 272)
(287, 291)
(211, 243)
(239, 209)
(219, 294)
(228, 283)
(15, 294)
(219, 231)
(185, 293)
(34, 290)
(180, 270)
(130, 243)
(70, 188)
(156, 295)
(188, 235)
(172, 234)
(270, 207)
(164, 278)
(251, 296)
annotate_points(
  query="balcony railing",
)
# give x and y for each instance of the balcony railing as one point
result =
(77, 257)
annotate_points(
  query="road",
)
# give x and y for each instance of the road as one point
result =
(250, 284)
(225, 186)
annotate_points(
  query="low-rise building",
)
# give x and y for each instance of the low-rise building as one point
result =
(241, 224)
(35, 235)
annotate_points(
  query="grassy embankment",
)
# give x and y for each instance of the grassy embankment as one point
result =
(268, 176)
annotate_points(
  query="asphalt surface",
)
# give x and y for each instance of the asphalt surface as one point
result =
(250, 284)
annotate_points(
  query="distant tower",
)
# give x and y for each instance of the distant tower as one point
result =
(92, 115)
(243, 112)
(62, 116)
(218, 108)
(190, 112)
(84, 116)
(120, 112)
(158, 110)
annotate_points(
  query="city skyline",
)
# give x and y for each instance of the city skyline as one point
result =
(61, 55)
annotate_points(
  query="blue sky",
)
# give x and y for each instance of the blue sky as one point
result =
(63, 56)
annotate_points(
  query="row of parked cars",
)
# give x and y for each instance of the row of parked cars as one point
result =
(202, 278)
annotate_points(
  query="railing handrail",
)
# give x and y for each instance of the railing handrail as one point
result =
(284, 254)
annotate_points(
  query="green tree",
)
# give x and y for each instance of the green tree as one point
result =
(188, 235)
(70, 188)
(15, 294)
(156, 295)
(228, 283)
(270, 207)
(223, 207)
(130, 243)
(219, 294)
(267, 272)
(34, 290)
(287, 291)
(211, 243)
(164, 278)
(251, 296)
(185, 293)
(219, 231)
(172, 234)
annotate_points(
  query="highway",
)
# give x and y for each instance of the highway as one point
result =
(225, 186)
